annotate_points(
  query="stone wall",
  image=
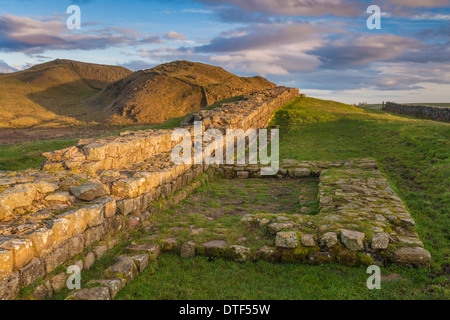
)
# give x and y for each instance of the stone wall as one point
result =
(426, 112)
(97, 188)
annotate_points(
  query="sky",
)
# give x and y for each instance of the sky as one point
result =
(322, 47)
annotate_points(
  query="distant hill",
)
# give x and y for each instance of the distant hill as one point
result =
(52, 94)
(170, 90)
(65, 93)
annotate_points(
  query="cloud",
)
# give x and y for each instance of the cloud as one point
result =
(359, 50)
(32, 36)
(421, 3)
(262, 37)
(172, 35)
(305, 8)
(267, 49)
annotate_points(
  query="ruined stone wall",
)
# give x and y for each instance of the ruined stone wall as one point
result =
(97, 188)
(426, 112)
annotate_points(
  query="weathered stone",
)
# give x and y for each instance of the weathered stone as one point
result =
(94, 234)
(9, 287)
(31, 272)
(213, 247)
(197, 231)
(286, 239)
(97, 293)
(380, 241)
(89, 260)
(109, 206)
(79, 264)
(300, 172)
(14, 197)
(187, 250)
(22, 250)
(6, 263)
(59, 196)
(63, 229)
(268, 254)
(124, 267)
(410, 240)
(277, 227)
(353, 240)
(58, 282)
(99, 251)
(239, 253)
(94, 215)
(89, 191)
(114, 285)
(127, 206)
(169, 244)
(141, 261)
(133, 222)
(76, 245)
(43, 241)
(329, 239)
(320, 257)
(307, 240)
(412, 257)
(55, 258)
(242, 174)
(152, 250)
(40, 293)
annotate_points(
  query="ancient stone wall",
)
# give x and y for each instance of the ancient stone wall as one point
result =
(98, 188)
(426, 112)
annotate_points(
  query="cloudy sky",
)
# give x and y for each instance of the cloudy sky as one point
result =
(322, 47)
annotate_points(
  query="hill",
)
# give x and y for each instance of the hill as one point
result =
(51, 94)
(170, 90)
(63, 93)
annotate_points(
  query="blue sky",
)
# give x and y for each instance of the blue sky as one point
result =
(322, 47)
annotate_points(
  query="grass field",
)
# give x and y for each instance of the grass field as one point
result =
(412, 153)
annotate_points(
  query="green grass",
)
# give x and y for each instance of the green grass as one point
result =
(199, 278)
(28, 155)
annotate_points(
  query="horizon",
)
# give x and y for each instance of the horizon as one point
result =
(323, 48)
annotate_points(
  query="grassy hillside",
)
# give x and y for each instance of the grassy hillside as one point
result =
(51, 94)
(170, 90)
